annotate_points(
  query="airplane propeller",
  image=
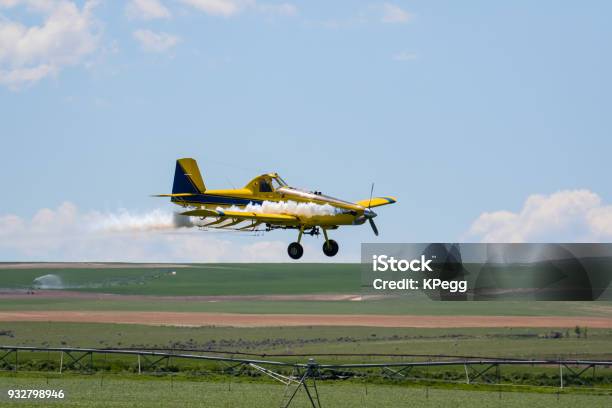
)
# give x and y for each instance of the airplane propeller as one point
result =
(373, 226)
(371, 214)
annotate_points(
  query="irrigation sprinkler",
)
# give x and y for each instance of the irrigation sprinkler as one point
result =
(305, 374)
(311, 372)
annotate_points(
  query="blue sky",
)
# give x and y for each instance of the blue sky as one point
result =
(459, 109)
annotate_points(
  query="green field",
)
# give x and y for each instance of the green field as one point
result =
(498, 342)
(98, 391)
(233, 279)
(251, 279)
(203, 279)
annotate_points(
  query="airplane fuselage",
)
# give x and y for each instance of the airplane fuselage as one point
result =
(346, 213)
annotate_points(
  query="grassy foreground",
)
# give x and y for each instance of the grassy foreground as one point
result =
(97, 391)
(296, 345)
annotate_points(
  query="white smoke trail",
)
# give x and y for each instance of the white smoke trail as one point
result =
(126, 221)
(182, 221)
(288, 207)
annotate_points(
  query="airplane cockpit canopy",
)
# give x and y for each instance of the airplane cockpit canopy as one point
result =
(277, 182)
(268, 183)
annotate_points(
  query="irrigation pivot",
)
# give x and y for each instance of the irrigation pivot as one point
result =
(305, 374)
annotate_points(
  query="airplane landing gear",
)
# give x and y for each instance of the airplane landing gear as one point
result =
(330, 248)
(295, 250)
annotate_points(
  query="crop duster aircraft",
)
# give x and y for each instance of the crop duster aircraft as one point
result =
(269, 201)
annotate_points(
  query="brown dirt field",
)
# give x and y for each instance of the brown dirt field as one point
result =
(261, 320)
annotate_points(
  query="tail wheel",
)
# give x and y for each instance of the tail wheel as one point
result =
(295, 250)
(330, 248)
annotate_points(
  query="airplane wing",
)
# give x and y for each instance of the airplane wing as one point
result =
(244, 215)
(376, 201)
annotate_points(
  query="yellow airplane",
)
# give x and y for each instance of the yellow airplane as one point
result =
(269, 200)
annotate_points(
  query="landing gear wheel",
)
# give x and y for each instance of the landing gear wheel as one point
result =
(330, 248)
(295, 250)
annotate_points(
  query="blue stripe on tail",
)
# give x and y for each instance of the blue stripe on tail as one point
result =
(182, 183)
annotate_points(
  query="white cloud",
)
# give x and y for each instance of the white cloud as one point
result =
(8, 3)
(146, 10)
(392, 13)
(600, 221)
(224, 8)
(155, 42)
(17, 76)
(405, 56)
(29, 53)
(67, 234)
(263, 251)
(229, 8)
(564, 216)
(386, 13)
